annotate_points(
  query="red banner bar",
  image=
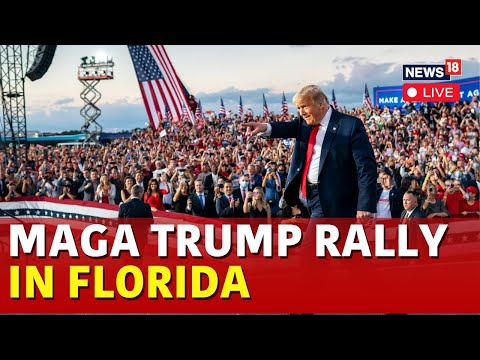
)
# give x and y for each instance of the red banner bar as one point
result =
(282, 266)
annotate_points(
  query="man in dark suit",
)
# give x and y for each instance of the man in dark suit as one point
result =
(135, 208)
(228, 205)
(200, 203)
(410, 204)
(341, 172)
(132, 211)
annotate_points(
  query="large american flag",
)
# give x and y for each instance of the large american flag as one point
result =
(284, 105)
(265, 107)
(334, 100)
(221, 111)
(240, 107)
(366, 98)
(159, 83)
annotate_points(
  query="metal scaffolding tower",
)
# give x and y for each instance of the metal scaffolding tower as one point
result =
(12, 84)
(90, 73)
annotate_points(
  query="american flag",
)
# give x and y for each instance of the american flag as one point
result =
(199, 112)
(265, 107)
(168, 114)
(158, 81)
(334, 100)
(240, 107)
(284, 105)
(366, 98)
(221, 111)
(185, 113)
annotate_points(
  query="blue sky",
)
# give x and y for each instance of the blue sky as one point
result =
(212, 71)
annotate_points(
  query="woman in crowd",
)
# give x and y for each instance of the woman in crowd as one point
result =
(271, 184)
(125, 193)
(153, 196)
(105, 191)
(470, 207)
(28, 186)
(166, 188)
(180, 198)
(257, 206)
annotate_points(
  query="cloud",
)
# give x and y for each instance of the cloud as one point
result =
(348, 83)
(128, 112)
(64, 101)
(114, 117)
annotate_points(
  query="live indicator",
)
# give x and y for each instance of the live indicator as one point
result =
(431, 92)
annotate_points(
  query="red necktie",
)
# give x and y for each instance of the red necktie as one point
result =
(311, 143)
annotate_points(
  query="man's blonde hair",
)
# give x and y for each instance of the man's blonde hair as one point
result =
(311, 91)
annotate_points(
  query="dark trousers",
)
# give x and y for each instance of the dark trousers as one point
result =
(313, 202)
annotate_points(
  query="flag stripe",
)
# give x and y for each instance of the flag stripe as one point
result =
(165, 93)
(175, 93)
(146, 101)
(166, 65)
(170, 88)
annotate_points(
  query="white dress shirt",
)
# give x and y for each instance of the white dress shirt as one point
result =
(313, 171)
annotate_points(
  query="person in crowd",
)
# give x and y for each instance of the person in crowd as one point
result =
(389, 197)
(90, 186)
(28, 186)
(167, 190)
(126, 192)
(410, 205)
(180, 198)
(206, 176)
(45, 184)
(227, 205)
(470, 207)
(105, 190)
(453, 194)
(272, 187)
(69, 192)
(432, 206)
(117, 181)
(199, 203)
(153, 196)
(256, 205)
(341, 182)
(12, 191)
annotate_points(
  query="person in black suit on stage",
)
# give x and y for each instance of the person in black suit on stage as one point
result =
(341, 172)
(135, 208)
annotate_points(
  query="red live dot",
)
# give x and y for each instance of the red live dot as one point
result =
(453, 67)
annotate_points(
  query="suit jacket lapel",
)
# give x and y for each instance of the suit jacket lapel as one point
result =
(328, 140)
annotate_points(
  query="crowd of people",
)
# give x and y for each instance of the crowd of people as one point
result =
(214, 168)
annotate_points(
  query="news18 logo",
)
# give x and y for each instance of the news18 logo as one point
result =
(432, 92)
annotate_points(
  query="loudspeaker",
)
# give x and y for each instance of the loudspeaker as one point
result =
(42, 61)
